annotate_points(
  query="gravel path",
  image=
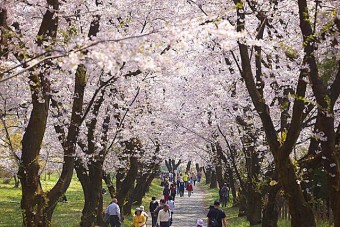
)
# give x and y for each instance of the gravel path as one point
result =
(188, 210)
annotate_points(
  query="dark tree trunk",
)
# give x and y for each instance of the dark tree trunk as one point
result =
(100, 218)
(207, 172)
(271, 209)
(300, 211)
(127, 183)
(91, 182)
(126, 208)
(213, 183)
(136, 194)
(16, 181)
(150, 179)
(232, 185)
(188, 167)
(168, 165)
(109, 184)
(254, 205)
(219, 169)
(326, 95)
(197, 167)
(242, 206)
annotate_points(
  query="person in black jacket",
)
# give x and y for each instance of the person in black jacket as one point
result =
(216, 216)
(152, 208)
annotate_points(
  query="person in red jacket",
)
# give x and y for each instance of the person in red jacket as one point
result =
(189, 189)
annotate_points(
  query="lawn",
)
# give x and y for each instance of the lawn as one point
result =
(232, 212)
(66, 214)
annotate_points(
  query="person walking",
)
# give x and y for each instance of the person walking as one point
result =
(152, 207)
(199, 176)
(139, 219)
(181, 189)
(194, 178)
(216, 216)
(144, 214)
(173, 191)
(189, 189)
(114, 211)
(166, 192)
(177, 185)
(224, 194)
(171, 204)
(163, 218)
(186, 179)
(159, 208)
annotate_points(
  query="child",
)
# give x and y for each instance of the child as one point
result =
(199, 223)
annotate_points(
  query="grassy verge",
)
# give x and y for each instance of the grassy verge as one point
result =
(66, 214)
(232, 212)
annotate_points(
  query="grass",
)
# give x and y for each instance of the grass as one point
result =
(232, 212)
(65, 214)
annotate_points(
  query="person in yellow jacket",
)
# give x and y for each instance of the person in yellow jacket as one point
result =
(139, 220)
(185, 179)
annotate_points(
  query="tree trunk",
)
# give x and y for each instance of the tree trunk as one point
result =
(300, 211)
(207, 172)
(127, 183)
(232, 185)
(136, 194)
(16, 181)
(188, 167)
(242, 206)
(92, 187)
(109, 184)
(100, 212)
(126, 208)
(197, 167)
(213, 183)
(254, 205)
(271, 209)
(219, 169)
(150, 179)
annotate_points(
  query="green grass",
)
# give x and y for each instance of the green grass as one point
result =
(232, 212)
(65, 214)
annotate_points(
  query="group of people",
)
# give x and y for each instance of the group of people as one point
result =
(179, 184)
(162, 213)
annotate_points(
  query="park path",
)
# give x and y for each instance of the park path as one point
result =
(188, 210)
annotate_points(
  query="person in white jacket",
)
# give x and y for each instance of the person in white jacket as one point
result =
(171, 204)
(164, 217)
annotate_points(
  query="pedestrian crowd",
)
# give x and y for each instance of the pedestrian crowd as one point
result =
(162, 213)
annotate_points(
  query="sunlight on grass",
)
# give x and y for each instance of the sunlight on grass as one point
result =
(65, 214)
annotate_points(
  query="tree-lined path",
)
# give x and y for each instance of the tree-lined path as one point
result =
(108, 94)
(188, 210)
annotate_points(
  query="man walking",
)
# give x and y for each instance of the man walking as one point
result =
(163, 219)
(152, 207)
(114, 211)
(224, 194)
(216, 217)
(159, 208)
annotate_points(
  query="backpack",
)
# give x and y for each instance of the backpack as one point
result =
(224, 192)
(153, 206)
(213, 220)
(166, 191)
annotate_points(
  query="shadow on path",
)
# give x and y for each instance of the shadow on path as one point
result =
(188, 210)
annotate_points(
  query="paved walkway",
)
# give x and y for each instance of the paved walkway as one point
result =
(188, 210)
